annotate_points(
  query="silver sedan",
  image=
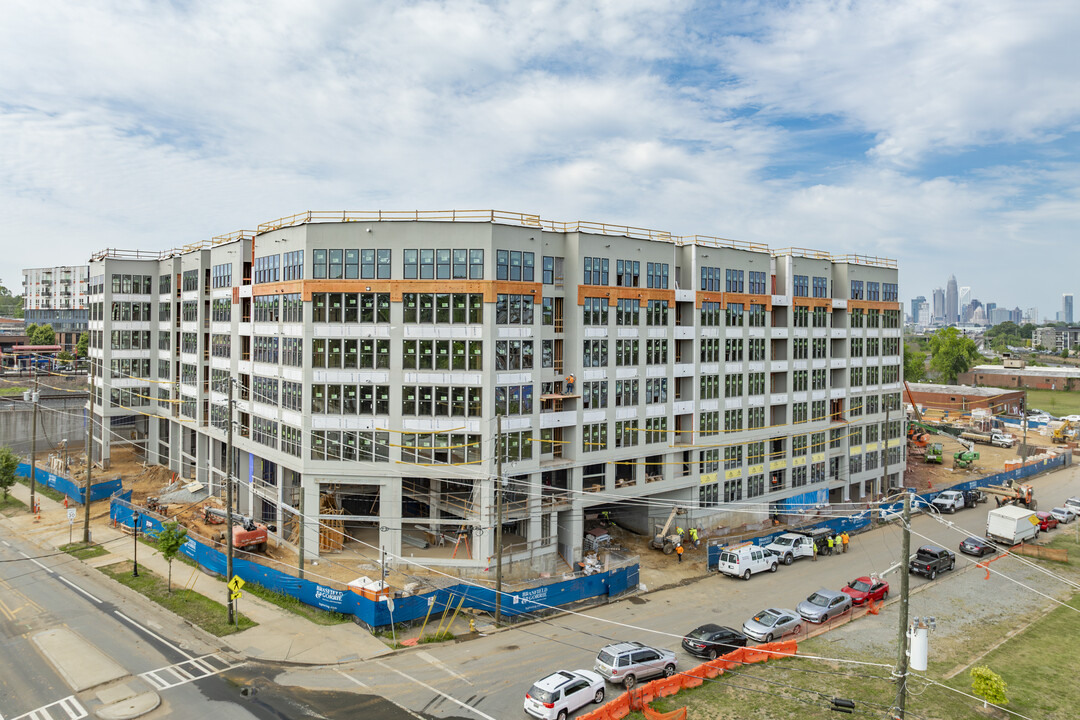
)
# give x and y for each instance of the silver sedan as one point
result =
(772, 624)
(824, 605)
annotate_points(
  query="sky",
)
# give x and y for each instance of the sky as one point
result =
(940, 133)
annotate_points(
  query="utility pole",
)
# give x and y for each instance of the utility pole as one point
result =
(1024, 421)
(89, 460)
(33, 446)
(901, 652)
(885, 455)
(300, 567)
(499, 520)
(228, 503)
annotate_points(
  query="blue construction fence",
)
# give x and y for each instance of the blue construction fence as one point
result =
(98, 491)
(375, 614)
(860, 520)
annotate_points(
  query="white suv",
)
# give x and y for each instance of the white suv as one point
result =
(563, 692)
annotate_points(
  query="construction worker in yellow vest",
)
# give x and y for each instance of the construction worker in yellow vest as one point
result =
(829, 543)
(694, 537)
(679, 532)
(844, 539)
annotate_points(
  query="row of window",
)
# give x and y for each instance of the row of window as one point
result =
(443, 308)
(354, 263)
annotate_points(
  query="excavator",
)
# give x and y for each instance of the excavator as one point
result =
(1010, 494)
(1065, 432)
(663, 541)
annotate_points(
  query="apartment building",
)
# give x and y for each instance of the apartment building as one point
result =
(391, 362)
(56, 296)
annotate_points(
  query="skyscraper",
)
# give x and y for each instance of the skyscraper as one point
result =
(952, 302)
(964, 304)
(916, 302)
(1067, 308)
(939, 305)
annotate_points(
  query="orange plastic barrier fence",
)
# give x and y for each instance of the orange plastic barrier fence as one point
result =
(651, 714)
(641, 696)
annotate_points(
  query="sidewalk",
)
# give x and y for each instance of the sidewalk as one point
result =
(280, 636)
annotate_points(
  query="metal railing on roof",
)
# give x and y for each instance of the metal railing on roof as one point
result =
(492, 216)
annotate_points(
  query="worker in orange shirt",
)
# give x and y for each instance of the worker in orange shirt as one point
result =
(570, 383)
(679, 551)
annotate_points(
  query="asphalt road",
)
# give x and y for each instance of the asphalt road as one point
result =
(487, 678)
(41, 594)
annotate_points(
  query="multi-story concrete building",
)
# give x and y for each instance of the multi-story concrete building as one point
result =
(952, 302)
(56, 296)
(1067, 308)
(629, 370)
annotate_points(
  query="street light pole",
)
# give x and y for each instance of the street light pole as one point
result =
(89, 460)
(499, 520)
(229, 502)
(135, 539)
(901, 651)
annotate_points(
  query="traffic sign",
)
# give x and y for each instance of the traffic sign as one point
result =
(71, 515)
(236, 595)
(236, 583)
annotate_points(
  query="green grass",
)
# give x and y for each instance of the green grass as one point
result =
(1055, 402)
(83, 551)
(11, 504)
(195, 608)
(283, 601)
(7, 391)
(1037, 666)
(43, 489)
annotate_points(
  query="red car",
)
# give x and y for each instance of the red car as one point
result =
(1046, 520)
(865, 589)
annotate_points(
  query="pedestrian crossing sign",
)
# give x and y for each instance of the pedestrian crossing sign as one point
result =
(236, 583)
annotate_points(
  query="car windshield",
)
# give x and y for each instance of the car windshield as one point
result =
(973, 541)
(606, 658)
(783, 541)
(537, 693)
(818, 599)
(766, 618)
(860, 585)
(1059, 511)
(700, 633)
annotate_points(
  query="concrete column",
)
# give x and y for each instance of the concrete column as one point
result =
(311, 525)
(390, 517)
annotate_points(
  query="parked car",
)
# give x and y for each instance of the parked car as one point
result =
(929, 560)
(1063, 515)
(563, 692)
(1046, 520)
(711, 641)
(1073, 504)
(866, 589)
(824, 605)
(949, 501)
(977, 546)
(628, 662)
(772, 624)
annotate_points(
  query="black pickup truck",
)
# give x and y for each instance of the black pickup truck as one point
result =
(929, 560)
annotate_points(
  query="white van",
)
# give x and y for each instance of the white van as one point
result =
(745, 560)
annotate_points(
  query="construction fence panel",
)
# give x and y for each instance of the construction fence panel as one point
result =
(377, 613)
(98, 491)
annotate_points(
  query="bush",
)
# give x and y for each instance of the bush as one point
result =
(988, 685)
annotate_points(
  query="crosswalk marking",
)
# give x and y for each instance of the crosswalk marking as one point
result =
(71, 708)
(186, 671)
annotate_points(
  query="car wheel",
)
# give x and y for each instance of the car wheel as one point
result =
(629, 681)
(562, 715)
(669, 670)
(712, 654)
(952, 510)
(788, 559)
(774, 566)
(933, 574)
(746, 575)
(599, 696)
(768, 638)
(884, 596)
(952, 564)
(797, 630)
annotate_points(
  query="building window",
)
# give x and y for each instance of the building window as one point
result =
(596, 271)
(802, 286)
(656, 275)
(733, 281)
(221, 274)
(266, 269)
(627, 273)
(594, 353)
(757, 283)
(626, 311)
(656, 313)
(510, 309)
(821, 287)
(594, 437)
(857, 290)
(514, 265)
(594, 311)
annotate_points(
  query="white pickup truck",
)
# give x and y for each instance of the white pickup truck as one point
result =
(949, 501)
(791, 546)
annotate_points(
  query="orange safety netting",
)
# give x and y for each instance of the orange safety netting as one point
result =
(651, 714)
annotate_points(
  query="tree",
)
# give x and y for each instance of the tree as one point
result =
(9, 463)
(169, 541)
(1064, 352)
(988, 685)
(83, 346)
(914, 365)
(40, 334)
(64, 356)
(951, 353)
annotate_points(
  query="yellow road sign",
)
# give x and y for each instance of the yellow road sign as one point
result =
(1034, 519)
(235, 595)
(236, 583)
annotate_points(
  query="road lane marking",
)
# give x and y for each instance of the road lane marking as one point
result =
(186, 672)
(71, 707)
(76, 587)
(395, 704)
(152, 634)
(438, 692)
(36, 563)
(344, 675)
(441, 665)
